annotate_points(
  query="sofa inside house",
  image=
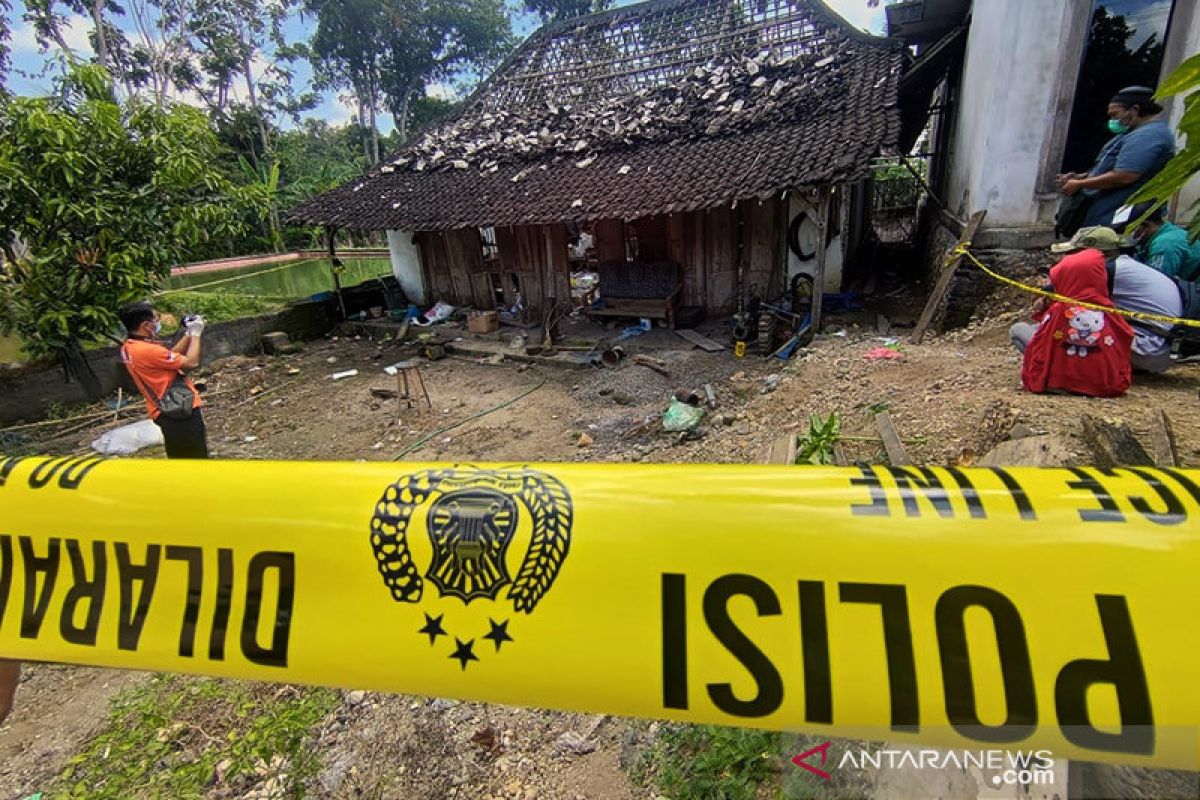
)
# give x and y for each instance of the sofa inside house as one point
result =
(638, 289)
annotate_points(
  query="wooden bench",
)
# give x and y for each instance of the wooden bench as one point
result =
(638, 289)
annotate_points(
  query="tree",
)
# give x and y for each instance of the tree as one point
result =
(387, 51)
(5, 7)
(105, 196)
(439, 40)
(1185, 165)
(347, 52)
(553, 10)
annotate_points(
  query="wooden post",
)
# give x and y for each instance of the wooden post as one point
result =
(945, 278)
(819, 275)
(896, 452)
(331, 232)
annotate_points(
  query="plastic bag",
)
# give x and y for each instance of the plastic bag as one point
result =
(681, 417)
(438, 313)
(128, 439)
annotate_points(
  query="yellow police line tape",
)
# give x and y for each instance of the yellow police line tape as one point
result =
(961, 250)
(1021, 608)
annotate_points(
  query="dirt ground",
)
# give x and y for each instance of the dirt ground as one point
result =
(953, 398)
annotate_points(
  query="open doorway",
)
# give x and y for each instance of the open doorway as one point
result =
(1125, 47)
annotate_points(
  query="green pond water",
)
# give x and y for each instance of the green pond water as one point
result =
(292, 280)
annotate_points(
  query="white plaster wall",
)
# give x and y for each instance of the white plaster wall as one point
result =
(834, 255)
(1006, 109)
(406, 265)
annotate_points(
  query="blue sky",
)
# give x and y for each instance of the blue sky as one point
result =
(33, 70)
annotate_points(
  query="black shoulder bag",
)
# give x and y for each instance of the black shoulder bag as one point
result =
(177, 402)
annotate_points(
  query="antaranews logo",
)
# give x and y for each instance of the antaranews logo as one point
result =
(471, 517)
(1008, 768)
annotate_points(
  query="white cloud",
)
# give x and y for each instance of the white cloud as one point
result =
(441, 91)
(75, 30)
(860, 15)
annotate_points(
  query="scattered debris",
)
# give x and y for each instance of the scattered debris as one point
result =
(574, 744)
(653, 363)
(584, 440)
(770, 384)
(782, 450)
(293, 370)
(710, 395)
(384, 394)
(1113, 443)
(701, 341)
(277, 343)
(681, 416)
(350, 373)
(896, 453)
(128, 438)
(883, 354)
(1162, 436)
(255, 390)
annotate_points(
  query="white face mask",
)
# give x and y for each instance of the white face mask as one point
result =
(157, 327)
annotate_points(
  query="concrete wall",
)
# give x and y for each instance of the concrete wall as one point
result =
(1018, 87)
(1016, 71)
(26, 390)
(406, 265)
(835, 253)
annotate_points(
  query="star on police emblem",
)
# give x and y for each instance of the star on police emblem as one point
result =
(471, 517)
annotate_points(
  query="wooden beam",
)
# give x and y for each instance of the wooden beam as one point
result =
(1162, 436)
(945, 278)
(819, 273)
(896, 452)
(700, 340)
(782, 450)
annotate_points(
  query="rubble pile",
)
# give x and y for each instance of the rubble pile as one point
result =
(726, 94)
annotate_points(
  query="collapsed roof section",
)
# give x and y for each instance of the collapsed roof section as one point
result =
(666, 106)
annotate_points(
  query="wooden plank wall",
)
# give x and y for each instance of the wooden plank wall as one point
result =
(704, 242)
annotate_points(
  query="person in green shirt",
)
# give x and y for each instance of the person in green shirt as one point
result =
(1164, 245)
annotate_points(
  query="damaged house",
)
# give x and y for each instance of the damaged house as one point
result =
(714, 148)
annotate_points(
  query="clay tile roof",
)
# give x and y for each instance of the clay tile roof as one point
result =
(670, 105)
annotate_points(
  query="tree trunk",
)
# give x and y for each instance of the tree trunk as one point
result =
(362, 127)
(253, 97)
(101, 37)
(400, 116)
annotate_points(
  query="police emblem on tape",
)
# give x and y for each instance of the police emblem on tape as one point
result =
(471, 518)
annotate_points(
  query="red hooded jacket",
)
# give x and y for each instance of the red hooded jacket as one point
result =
(1077, 349)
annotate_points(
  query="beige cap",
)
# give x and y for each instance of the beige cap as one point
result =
(1097, 236)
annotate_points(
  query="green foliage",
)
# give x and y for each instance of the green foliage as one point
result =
(552, 10)
(358, 46)
(1185, 80)
(5, 7)
(166, 737)
(104, 198)
(217, 306)
(817, 446)
(706, 762)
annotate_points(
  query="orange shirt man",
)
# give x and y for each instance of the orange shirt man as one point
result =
(154, 368)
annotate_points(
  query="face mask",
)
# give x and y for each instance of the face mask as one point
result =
(1116, 126)
(157, 327)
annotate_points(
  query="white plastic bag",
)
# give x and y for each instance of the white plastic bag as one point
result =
(439, 312)
(128, 439)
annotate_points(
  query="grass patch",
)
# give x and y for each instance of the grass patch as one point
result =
(706, 762)
(217, 306)
(173, 735)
